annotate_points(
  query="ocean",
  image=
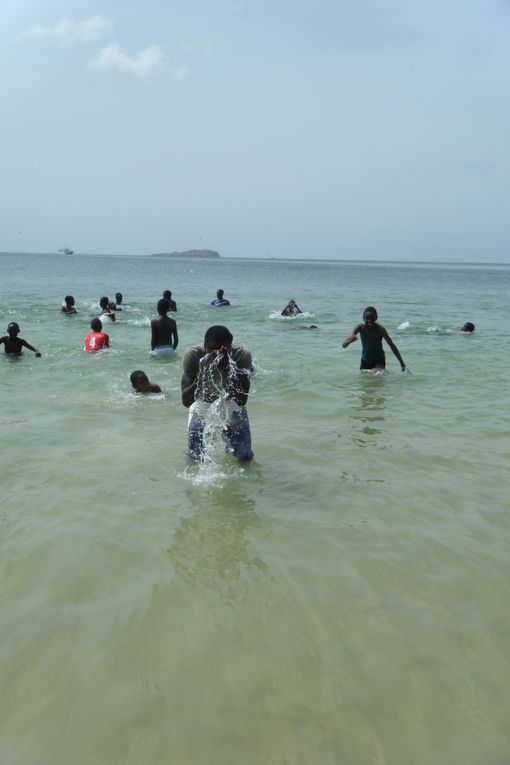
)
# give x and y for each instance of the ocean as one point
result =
(342, 600)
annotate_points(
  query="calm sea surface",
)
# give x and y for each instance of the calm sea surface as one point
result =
(341, 601)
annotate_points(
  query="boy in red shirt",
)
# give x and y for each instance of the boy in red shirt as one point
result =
(97, 339)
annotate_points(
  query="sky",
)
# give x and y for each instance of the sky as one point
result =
(369, 129)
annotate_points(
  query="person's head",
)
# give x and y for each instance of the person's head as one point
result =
(96, 325)
(163, 307)
(219, 294)
(103, 302)
(139, 380)
(468, 327)
(118, 298)
(13, 329)
(370, 315)
(69, 301)
(167, 295)
(292, 303)
(217, 337)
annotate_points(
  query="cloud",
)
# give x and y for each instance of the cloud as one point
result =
(66, 31)
(179, 72)
(142, 64)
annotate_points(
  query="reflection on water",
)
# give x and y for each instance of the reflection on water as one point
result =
(368, 417)
(210, 548)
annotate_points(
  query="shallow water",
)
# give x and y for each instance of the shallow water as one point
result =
(343, 599)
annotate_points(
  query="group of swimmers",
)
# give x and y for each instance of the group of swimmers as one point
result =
(217, 369)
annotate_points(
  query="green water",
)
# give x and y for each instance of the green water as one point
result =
(341, 600)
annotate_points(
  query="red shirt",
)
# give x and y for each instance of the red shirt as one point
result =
(94, 341)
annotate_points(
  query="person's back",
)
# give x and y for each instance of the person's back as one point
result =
(96, 339)
(164, 336)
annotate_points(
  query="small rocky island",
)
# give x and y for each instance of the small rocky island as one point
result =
(188, 254)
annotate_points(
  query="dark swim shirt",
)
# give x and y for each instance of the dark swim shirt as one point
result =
(371, 345)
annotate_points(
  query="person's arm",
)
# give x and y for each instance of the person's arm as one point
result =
(394, 349)
(175, 336)
(188, 389)
(30, 347)
(3, 339)
(107, 341)
(352, 337)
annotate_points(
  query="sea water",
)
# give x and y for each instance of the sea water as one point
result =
(342, 599)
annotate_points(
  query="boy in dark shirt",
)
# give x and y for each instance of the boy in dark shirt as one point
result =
(372, 334)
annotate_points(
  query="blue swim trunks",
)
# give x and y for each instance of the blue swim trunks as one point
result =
(236, 434)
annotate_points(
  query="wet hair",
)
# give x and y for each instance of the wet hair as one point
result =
(118, 297)
(167, 295)
(163, 306)
(217, 336)
(370, 309)
(219, 294)
(103, 302)
(136, 375)
(468, 327)
(69, 300)
(96, 325)
(13, 328)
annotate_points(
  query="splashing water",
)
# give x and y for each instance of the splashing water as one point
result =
(212, 412)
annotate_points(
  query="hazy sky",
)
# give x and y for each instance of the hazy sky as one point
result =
(291, 128)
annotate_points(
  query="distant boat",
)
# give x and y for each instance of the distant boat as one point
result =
(67, 251)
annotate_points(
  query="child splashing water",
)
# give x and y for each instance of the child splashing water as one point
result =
(215, 386)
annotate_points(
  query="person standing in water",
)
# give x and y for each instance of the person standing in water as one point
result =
(168, 296)
(69, 306)
(97, 339)
(211, 371)
(106, 311)
(372, 334)
(164, 337)
(220, 300)
(13, 345)
(291, 309)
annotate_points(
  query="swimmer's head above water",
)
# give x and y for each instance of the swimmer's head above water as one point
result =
(142, 384)
(13, 329)
(468, 327)
(96, 325)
